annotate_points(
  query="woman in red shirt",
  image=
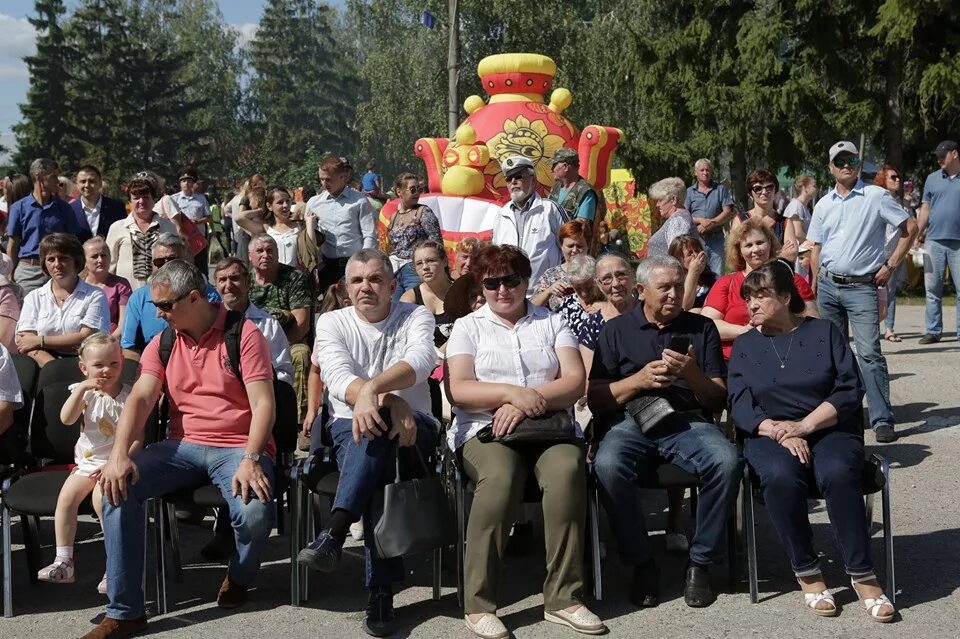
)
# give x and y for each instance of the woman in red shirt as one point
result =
(750, 245)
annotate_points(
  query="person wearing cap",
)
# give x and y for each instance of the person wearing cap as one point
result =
(711, 207)
(939, 231)
(848, 263)
(196, 207)
(528, 220)
(571, 192)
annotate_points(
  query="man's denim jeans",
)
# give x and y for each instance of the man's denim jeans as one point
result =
(942, 253)
(716, 255)
(626, 457)
(856, 305)
(364, 470)
(165, 467)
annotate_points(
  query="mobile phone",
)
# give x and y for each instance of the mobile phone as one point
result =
(679, 344)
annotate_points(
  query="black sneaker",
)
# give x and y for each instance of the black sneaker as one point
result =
(929, 339)
(645, 587)
(323, 553)
(885, 434)
(380, 620)
(697, 592)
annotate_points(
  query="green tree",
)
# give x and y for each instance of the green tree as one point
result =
(43, 127)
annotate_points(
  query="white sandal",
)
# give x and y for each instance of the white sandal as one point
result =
(873, 605)
(811, 599)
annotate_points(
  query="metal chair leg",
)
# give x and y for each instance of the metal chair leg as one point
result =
(593, 525)
(7, 564)
(461, 534)
(310, 515)
(751, 536)
(169, 511)
(31, 541)
(868, 504)
(437, 559)
(159, 533)
(295, 526)
(891, 590)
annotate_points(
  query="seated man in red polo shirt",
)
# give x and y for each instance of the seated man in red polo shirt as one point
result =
(219, 431)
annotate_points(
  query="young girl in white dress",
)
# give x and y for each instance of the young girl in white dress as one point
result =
(99, 399)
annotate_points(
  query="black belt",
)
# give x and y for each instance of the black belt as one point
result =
(848, 279)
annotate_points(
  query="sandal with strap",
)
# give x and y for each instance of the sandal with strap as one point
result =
(874, 605)
(59, 572)
(811, 599)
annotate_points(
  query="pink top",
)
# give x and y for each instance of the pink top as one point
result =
(208, 403)
(118, 291)
(9, 304)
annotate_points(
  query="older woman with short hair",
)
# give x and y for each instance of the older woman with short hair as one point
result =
(795, 391)
(57, 316)
(554, 285)
(670, 194)
(507, 361)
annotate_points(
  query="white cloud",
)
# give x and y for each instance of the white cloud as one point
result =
(18, 41)
(247, 31)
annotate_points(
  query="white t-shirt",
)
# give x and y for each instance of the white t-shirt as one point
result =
(525, 355)
(86, 306)
(347, 347)
(798, 210)
(276, 341)
(10, 390)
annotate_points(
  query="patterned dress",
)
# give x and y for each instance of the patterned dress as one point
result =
(101, 414)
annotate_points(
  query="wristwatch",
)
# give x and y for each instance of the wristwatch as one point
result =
(254, 457)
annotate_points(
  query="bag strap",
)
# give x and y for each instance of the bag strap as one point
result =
(232, 329)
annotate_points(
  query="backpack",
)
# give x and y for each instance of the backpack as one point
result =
(232, 327)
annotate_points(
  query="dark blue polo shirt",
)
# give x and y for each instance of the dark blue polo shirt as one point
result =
(629, 342)
(32, 222)
(942, 194)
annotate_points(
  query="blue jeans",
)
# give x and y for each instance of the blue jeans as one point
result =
(837, 472)
(364, 470)
(856, 305)
(942, 253)
(716, 254)
(893, 286)
(407, 278)
(626, 457)
(165, 467)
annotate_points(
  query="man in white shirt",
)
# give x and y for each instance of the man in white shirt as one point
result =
(374, 357)
(528, 220)
(344, 216)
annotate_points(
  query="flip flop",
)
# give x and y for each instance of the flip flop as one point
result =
(890, 336)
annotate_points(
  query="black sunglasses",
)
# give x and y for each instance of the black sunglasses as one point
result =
(510, 281)
(760, 188)
(160, 261)
(167, 305)
(842, 162)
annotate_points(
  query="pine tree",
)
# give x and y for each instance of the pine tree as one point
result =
(45, 111)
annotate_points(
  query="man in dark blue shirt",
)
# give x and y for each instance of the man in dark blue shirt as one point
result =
(633, 360)
(35, 217)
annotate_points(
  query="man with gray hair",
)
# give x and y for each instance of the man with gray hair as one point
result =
(142, 321)
(711, 206)
(528, 220)
(375, 357)
(35, 217)
(656, 381)
(220, 430)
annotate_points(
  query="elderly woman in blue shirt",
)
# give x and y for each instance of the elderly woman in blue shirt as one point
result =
(796, 392)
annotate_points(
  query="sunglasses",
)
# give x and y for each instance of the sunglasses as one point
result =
(160, 261)
(167, 305)
(763, 188)
(895, 178)
(510, 281)
(842, 162)
(517, 177)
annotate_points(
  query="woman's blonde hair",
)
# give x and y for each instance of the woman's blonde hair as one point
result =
(735, 259)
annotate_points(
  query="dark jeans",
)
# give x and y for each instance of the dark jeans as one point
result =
(837, 472)
(364, 470)
(626, 457)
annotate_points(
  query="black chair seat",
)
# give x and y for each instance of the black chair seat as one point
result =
(323, 483)
(36, 493)
(206, 496)
(670, 476)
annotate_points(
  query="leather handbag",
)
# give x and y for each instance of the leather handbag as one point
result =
(552, 428)
(649, 411)
(415, 517)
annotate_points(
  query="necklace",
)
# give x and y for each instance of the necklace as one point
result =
(783, 360)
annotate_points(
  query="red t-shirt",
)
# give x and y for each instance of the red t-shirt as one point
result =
(725, 298)
(208, 403)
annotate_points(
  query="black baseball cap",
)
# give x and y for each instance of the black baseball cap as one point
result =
(945, 147)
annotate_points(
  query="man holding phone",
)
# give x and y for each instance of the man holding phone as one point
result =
(669, 362)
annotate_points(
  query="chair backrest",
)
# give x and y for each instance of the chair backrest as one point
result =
(130, 372)
(51, 439)
(286, 426)
(13, 442)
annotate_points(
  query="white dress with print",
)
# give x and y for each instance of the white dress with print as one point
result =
(101, 414)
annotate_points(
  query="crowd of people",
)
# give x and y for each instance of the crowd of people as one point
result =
(536, 353)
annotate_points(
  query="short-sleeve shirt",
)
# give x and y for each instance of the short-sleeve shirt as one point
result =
(725, 298)
(31, 222)
(524, 355)
(550, 277)
(9, 303)
(291, 291)
(118, 291)
(799, 211)
(194, 206)
(9, 382)
(369, 181)
(942, 193)
(404, 238)
(710, 204)
(208, 402)
(630, 341)
(276, 342)
(852, 228)
(680, 223)
(85, 307)
(286, 245)
(141, 323)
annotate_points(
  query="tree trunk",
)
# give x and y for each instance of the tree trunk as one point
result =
(453, 66)
(892, 108)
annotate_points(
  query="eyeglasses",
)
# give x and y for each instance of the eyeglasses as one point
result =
(850, 161)
(517, 177)
(763, 188)
(415, 190)
(510, 281)
(160, 261)
(620, 276)
(167, 305)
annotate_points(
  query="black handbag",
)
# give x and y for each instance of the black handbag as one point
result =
(415, 515)
(552, 428)
(649, 411)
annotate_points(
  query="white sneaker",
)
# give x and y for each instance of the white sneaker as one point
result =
(102, 586)
(488, 626)
(356, 530)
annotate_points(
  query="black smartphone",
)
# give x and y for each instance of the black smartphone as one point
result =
(679, 344)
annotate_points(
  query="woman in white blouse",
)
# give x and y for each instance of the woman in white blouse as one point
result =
(274, 220)
(57, 316)
(507, 361)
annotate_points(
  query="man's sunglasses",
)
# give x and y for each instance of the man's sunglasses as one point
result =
(842, 162)
(160, 261)
(167, 305)
(510, 281)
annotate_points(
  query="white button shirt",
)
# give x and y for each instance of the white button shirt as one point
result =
(92, 214)
(525, 355)
(533, 228)
(86, 306)
(276, 342)
(347, 221)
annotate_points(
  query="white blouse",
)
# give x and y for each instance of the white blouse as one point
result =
(86, 306)
(525, 355)
(286, 246)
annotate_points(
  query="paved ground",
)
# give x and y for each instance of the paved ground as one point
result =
(925, 387)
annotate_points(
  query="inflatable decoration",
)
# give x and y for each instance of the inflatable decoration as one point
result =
(466, 186)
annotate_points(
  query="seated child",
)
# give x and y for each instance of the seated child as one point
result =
(100, 400)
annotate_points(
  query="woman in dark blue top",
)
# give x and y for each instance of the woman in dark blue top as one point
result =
(795, 390)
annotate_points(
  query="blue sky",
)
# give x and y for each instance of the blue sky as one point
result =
(18, 40)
